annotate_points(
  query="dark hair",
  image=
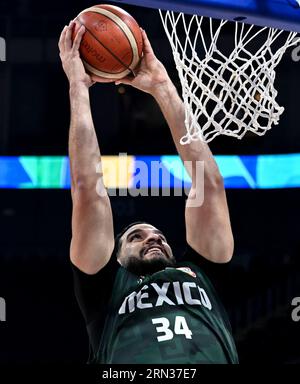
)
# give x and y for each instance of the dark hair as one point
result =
(118, 242)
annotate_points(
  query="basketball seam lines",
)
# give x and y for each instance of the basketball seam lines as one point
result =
(102, 73)
(104, 46)
(124, 33)
(117, 19)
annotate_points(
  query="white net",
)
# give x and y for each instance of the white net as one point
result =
(226, 93)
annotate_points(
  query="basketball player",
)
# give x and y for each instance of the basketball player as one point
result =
(140, 305)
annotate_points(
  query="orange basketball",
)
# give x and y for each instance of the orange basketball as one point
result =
(112, 44)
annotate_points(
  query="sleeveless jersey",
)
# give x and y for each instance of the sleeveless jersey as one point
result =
(172, 316)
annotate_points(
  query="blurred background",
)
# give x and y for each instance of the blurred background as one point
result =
(43, 321)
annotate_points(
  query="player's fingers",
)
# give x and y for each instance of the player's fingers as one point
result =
(68, 37)
(78, 38)
(61, 42)
(93, 82)
(147, 45)
(97, 79)
(126, 80)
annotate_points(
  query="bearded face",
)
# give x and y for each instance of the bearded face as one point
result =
(145, 250)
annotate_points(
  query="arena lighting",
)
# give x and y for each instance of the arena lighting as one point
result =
(53, 172)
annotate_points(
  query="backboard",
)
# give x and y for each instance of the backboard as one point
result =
(282, 14)
(228, 93)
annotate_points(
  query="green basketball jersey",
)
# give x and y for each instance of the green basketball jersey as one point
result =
(172, 316)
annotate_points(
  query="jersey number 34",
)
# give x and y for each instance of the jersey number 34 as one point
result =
(180, 328)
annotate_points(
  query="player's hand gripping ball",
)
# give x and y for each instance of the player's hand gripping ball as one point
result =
(112, 45)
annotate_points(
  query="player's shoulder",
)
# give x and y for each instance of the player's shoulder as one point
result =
(215, 273)
(190, 257)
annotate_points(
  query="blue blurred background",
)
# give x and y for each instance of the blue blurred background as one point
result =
(44, 323)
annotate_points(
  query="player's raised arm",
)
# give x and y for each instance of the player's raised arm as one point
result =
(208, 228)
(92, 224)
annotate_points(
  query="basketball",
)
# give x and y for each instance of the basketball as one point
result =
(112, 45)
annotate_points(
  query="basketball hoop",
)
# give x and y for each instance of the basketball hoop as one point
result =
(226, 93)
